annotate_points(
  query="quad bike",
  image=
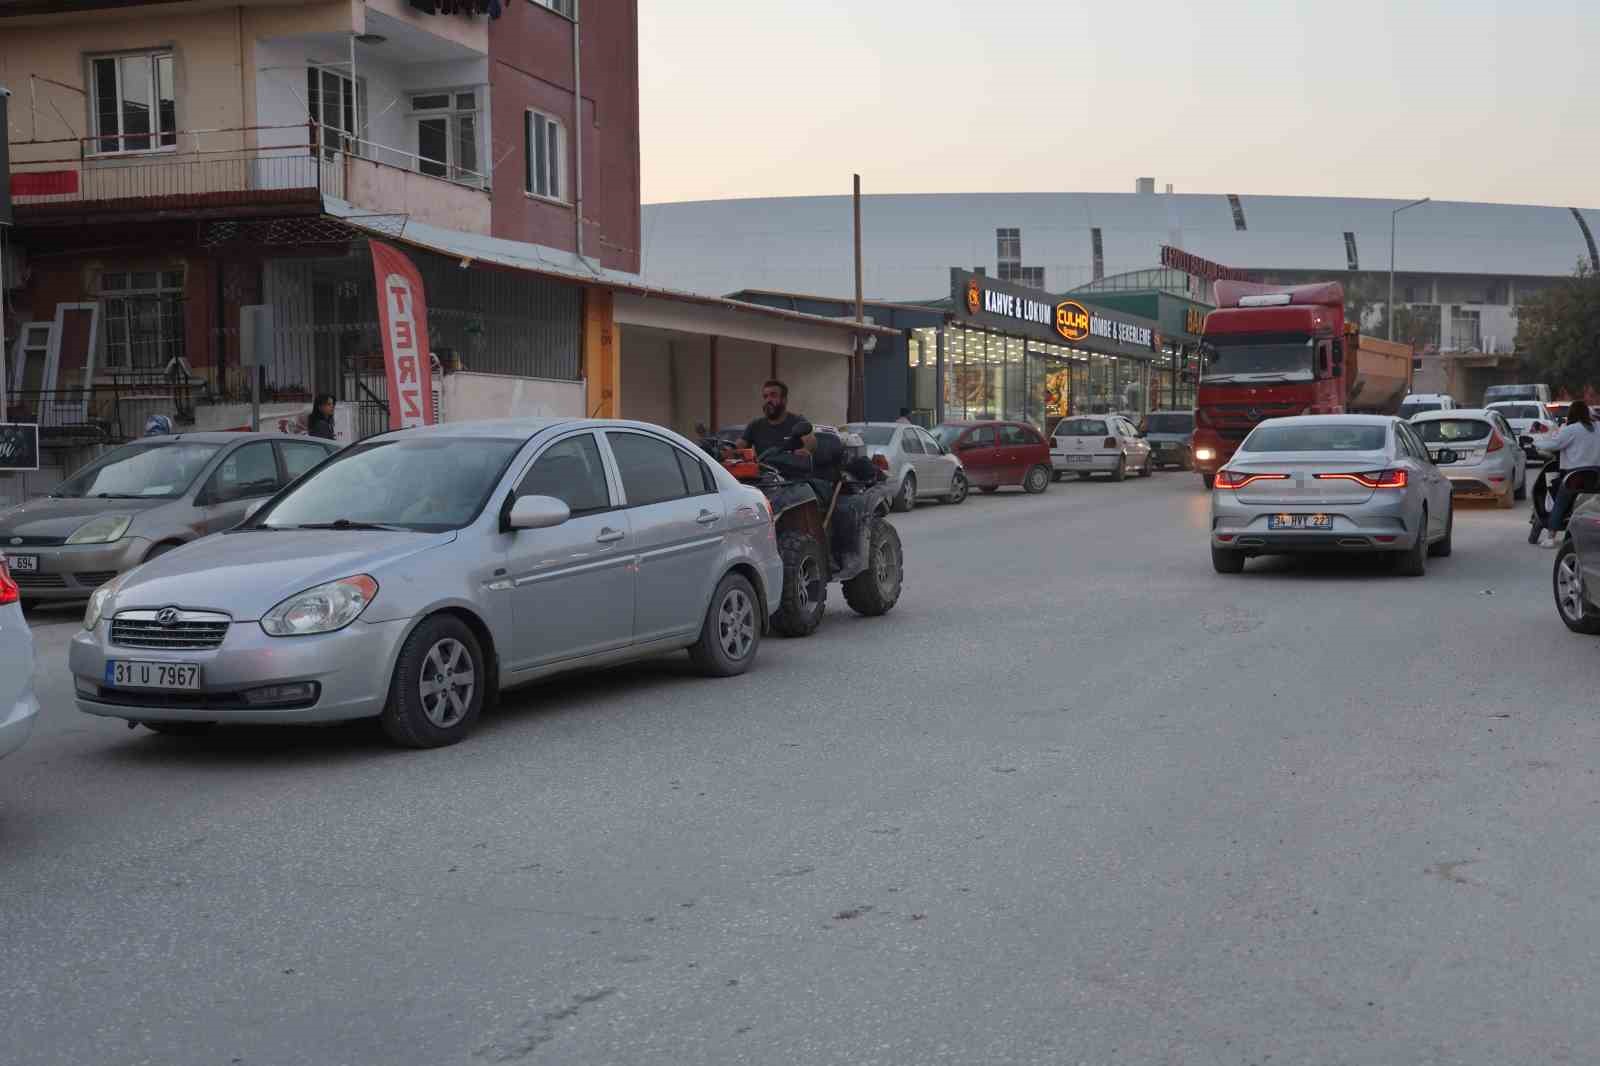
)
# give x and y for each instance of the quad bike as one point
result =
(830, 514)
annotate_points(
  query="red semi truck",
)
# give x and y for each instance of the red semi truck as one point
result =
(1269, 351)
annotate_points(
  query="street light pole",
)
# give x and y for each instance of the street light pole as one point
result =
(1394, 219)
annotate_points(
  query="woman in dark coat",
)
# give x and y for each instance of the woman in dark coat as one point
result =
(320, 424)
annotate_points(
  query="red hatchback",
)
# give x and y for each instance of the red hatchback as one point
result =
(998, 453)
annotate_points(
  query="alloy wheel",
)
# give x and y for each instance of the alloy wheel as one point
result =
(810, 580)
(736, 624)
(447, 682)
(1569, 587)
(884, 565)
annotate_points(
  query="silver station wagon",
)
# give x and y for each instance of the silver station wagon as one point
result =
(417, 574)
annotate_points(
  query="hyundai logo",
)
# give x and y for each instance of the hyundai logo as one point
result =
(167, 617)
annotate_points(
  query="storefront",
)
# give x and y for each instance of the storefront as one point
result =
(1005, 351)
(1180, 320)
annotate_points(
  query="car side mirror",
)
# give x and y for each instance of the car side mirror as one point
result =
(537, 512)
(1338, 356)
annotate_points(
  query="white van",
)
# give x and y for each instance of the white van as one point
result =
(1418, 402)
(1539, 393)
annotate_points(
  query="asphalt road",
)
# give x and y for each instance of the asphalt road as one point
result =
(1077, 800)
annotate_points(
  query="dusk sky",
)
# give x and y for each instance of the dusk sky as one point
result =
(1454, 99)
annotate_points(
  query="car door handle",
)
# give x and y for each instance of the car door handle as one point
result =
(609, 536)
(706, 518)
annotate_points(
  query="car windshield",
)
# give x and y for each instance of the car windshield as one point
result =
(1284, 356)
(1082, 427)
(1178, 423)
(141, 470)
(1520, 410)
(1409, 409)
(425, 484)
(1323, 438)
(1447, 430)
(876, 435)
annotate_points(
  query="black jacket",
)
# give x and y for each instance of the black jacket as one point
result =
(320, 425)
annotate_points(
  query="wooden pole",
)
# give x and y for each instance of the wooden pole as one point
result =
(857, 377)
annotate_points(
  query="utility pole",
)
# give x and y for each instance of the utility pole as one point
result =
(857, 404)
(1394, 218)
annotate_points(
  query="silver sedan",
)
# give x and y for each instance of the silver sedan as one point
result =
(417, 574)
(18, 704)
(919, 467)
(1332, 483)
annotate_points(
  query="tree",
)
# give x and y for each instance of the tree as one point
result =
(1558, 332)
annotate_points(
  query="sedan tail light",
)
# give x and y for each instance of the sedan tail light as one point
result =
(1111, 442)
(1537, 427)
(1372, 479)
(881, 462)
(9, 593)
(1233, 479)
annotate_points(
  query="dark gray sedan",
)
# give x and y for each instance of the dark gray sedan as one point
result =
(142, 500)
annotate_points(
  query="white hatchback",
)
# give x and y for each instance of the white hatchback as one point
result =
(18, 705)
(1098, 444)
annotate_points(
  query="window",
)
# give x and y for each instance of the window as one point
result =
(696, 474)
(571, 471)
(338, 105)
(1008, 244)
(1351, 258)
(1082, 427)
(1015, 435)
(1333, 437)
(134, 104)
(447, 135)
(929, 445)
(144, 318)
(298, 458)
(979, 438)
(1465, 327)
(544, 146)
(560, 7)
(649, 468)
(910, 444)
(250, 471)
(1031, 277)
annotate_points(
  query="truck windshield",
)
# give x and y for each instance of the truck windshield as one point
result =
(1264, 356)
(1510, 392)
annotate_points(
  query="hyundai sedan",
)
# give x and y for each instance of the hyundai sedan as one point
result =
(1332, 483)
(415, 575)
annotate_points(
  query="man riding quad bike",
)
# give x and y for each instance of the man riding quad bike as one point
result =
(829, 510)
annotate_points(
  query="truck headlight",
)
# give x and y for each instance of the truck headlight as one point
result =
(322, 609)
(1204, 453)
(101, 530)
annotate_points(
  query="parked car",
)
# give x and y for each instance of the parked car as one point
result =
(1421, 402)
(1528, 420)
(1099, 444)
(18, 704)
(1488, 463)
(995, 454)
(919, 467)
(1575, 578)
(1332, 483)
(143, 500)
(418, 573)
(1170, 435)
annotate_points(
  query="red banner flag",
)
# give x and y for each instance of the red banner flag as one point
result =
(403, 318)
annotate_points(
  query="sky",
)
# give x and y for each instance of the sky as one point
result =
(1453, 99)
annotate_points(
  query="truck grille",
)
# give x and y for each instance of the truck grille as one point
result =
(183, 631)
(1234, 421)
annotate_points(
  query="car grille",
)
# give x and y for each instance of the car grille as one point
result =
(32, 542)
(188, 631)
(93, 579)
(39, 581)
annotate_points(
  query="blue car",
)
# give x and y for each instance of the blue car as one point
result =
(1171, 438)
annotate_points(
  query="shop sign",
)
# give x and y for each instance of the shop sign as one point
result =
(1178, 259)
(19, 446)
(1194, 320)
(1020, 308)
(1121, 332)
(1003, 305)
(1072, 320)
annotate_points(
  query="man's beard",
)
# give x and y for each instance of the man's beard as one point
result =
(774, 410)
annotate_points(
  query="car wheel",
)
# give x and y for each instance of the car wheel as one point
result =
(1145, 470)
(1121, 471)
(731, 632)
(906, 498)
(958, 489)
(1413, 562)
(1442, 549)
(876, 589)
(437, 691)
(1188, 461)
(1210, 480)
(1521, 492)
(1571, 602)
(805, 585)
(1036, 480)
(180, 729)
(1227, 560)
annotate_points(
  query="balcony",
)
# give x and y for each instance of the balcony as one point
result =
(220, 173)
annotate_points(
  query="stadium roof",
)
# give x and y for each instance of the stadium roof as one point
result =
(803, 244)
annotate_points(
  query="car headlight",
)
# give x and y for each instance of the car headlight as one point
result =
(102, 530)
(322, 609)
(100, 600)
(1204, 453)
